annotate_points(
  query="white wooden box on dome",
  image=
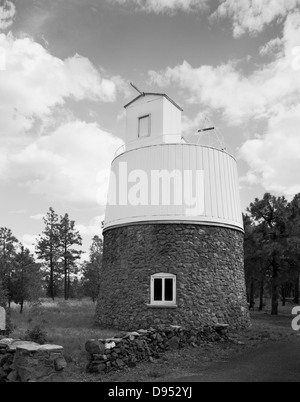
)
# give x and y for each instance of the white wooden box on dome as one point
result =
(217, 196)
(158, 114)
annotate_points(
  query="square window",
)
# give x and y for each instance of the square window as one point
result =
(163, 289)
(144, 126)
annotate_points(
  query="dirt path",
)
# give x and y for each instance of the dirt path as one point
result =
(274, 362)
(269, 362)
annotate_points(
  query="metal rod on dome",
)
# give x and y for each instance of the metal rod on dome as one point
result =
(206, 129)
(140, 92)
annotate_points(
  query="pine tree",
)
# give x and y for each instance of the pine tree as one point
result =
(91, 270)
(270, 214)
(26, 278)
(293, 243)
(47, 248)
(7, 252)
(68, 238)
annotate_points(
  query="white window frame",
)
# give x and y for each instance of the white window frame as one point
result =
(149, 125)
(162, 302)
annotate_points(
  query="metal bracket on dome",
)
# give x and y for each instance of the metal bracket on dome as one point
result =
(206, 129)
(140, 92)
(203, 136)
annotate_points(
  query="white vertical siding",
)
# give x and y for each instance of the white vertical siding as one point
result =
(221, 193)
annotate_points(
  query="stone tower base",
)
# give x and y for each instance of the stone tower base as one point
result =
(208, 263)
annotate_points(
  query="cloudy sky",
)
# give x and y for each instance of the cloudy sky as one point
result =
(65, 66)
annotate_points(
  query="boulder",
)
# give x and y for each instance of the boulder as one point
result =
(94, 347)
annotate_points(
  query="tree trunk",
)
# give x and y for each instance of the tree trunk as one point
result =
(296, 289)
(22, 290)
(274, 310)
(251, 296)
(261, 296)
(283, 294)
(51, 284)
(21, 306)
(69, 284)
(65, 279)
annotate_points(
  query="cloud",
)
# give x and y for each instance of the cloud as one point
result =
(253, 15)
(271, 47)
(43, 146)
(269, 96)
(269, 89)
(220, 88)
(65, 165)
(7, 13)
(29, 241)
(274, 159)
(164, 6)
(37, 217)
(34, 82)
(93, 228)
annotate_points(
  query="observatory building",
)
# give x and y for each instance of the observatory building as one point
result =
(173, 229)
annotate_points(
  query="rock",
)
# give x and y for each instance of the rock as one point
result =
(26, 345)
(117, 340)
(99, 357)
(50, 348)
(94, 347)
(120, 363)
(221, 327)
(5, 358)
(6, 342)
(12, 376)
(159, 338)
(3, 373)
(101, 368)
(109, 345)
(60, 364)
(174, 342)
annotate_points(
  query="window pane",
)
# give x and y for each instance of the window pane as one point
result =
(144, 126)
(157, 289)
(168, 289)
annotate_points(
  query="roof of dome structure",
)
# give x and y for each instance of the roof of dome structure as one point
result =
(153, 93)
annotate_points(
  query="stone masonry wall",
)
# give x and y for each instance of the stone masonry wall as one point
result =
(116, 353)
(208, 263)
(22, 361)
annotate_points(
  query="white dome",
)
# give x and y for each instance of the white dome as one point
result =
(174, 183)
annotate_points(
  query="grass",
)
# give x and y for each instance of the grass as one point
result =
(70, 324)
(67, 323)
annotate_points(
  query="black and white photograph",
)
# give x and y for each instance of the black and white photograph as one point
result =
(149, 194)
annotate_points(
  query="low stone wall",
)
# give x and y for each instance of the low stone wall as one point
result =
(128, 349)
(22, 361)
